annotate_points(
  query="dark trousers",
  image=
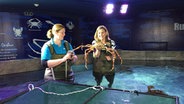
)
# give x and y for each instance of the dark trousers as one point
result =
(99, 76)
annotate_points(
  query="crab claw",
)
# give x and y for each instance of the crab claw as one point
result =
(86, 66)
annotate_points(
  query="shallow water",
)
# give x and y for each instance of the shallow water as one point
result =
(169, 79)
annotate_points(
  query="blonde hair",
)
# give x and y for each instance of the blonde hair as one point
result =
(55, 28)
(106, 31)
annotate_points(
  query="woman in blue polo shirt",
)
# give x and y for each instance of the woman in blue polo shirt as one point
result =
(56, 57)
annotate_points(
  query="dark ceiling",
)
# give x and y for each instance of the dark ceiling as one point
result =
(86, 7)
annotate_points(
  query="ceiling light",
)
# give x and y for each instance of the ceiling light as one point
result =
(109, 8)
(124, 8)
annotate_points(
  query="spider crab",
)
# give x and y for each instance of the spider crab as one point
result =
(152, 91)
(99, 46)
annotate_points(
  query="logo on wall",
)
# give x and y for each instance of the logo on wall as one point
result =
(36, 47)
(18, 32)
(34, 24)
(49, 22)
(70, 25)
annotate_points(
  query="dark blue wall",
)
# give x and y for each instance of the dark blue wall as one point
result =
(160, 30)
(21, 36)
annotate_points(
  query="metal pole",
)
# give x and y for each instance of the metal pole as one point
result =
(53, 76)
(66, 65)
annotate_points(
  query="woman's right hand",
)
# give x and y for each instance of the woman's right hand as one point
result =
(68, 56)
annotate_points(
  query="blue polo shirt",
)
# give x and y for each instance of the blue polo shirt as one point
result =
(45, 51)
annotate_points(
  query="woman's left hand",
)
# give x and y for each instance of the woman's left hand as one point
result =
(108, 58)
(74, 58)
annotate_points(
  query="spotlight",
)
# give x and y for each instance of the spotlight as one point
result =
(109, 8)
(124, 8)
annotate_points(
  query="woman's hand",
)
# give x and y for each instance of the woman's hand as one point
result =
(108, 58)
(68, 56)
(96, 53)
(74, 58)
(54, 62)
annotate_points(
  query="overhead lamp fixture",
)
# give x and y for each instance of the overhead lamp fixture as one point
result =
(123, 8)
(109, 9)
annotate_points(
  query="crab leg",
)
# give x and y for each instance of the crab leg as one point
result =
(119, 56)
(113, 53)
(81, 46)
(87, 51)
(90, 47)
